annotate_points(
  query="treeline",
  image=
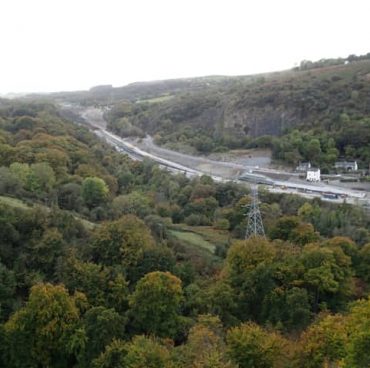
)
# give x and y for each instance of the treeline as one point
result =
(308, 64)
(91, 275)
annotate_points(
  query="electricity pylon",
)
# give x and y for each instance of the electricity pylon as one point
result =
(254, 223)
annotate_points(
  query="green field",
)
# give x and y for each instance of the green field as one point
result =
(17, 203)
(157, 99)
(194, 240)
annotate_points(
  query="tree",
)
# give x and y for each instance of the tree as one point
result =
(244, 256)
(41, 177)
(7, 291)
(113, 356)
(250, 273)
(21, 171)
(250, 346)
(358, 325)
(288, 309)
(303, 233)
(324, 342)
(44, 252)
(158, 258)
(284, 227)
(313, 150)
(147, 352)
(94, 191)
(69, 197)
(134, 203)
(103, 286)
(327, 274)
(155, 303)
(45, 332)
(364, 266)
(347, 245)
(205, 346)
(121, 242)
(101, 326)
(9, 183)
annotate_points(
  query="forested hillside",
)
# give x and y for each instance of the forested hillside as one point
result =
(109, 262)
(317, 112)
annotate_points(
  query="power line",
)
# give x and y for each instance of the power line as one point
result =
(254, 223)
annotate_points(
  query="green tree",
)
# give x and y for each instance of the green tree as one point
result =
(313, 150)
(364, 264)
(327, 274)
(44, 252)
(94, 191)
(147, 352)
(41, 177)
(101, 326)
(21, 171)
(284, 227)
(155, 304)
(113, 356)
(103, 286)
(134, 203)
(7, 291)
(121, 242)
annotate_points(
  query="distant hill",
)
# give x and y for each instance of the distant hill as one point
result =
(320, 111)
(319, 114)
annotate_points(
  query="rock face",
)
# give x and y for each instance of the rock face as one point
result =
(256, 122)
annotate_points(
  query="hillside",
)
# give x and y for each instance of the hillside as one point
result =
(105, 260)
(319, 114)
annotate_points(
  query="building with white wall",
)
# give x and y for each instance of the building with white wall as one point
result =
(313, 174)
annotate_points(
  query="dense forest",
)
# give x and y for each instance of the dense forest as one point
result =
(318, 112)
(109, 262)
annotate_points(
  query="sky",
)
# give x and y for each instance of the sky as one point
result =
(54, 45)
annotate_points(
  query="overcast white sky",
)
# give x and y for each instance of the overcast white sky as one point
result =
(53, 45)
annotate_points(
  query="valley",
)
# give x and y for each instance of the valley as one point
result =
(281, 181)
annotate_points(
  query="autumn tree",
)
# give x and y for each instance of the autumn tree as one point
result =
(205, 346)
(248, 345)
(45, 331)
(324, 342)
(358, 326)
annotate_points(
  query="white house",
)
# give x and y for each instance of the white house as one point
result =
(346, 165)
(313, 174)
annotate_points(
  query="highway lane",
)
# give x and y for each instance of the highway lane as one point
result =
(306, 189)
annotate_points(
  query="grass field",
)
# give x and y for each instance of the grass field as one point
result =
(157, 99)
(17, 203)
(193, 239)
